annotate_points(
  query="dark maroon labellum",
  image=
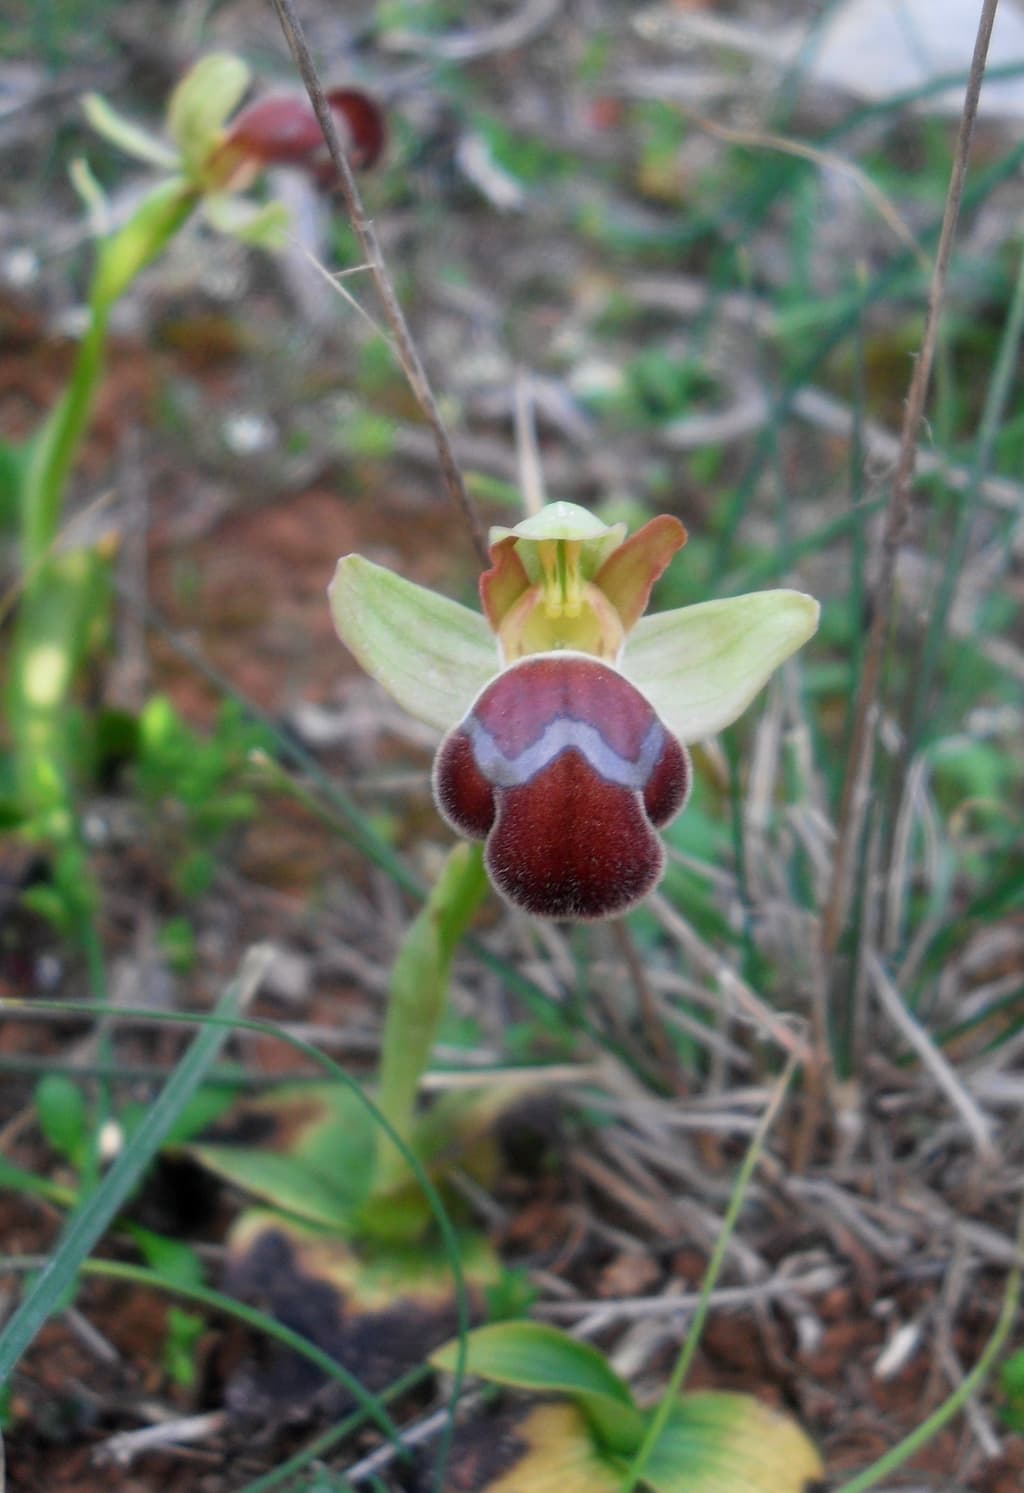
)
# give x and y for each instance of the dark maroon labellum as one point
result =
(282, 130)
(565, 770)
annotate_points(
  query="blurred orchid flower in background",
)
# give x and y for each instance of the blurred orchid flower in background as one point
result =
(567, 711)
(213, 154)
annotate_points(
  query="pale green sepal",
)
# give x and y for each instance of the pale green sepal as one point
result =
(701, 666)
(126, 134)
(203, 101)
(720, 1442)
(263, 226)
(92, 195)
(561, 521)
(431, 655)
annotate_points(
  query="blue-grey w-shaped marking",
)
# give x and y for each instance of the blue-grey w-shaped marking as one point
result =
(560, 735)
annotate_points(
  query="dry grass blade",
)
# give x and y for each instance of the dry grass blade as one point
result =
(367, 235)
(861, 754)
(940, 1069)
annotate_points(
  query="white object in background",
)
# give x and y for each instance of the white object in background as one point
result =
(872, 49)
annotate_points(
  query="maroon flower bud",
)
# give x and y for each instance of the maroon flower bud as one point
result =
(282, 130)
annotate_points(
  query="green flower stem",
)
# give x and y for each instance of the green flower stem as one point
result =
(419, 991)
(61, 594)
(55, 448)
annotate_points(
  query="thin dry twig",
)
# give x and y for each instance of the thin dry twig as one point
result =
(366, 233)
(940, 1069)
(860, 759)
(127, 1445)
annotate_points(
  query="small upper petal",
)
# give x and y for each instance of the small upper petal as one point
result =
(505, 582)
(629, 572)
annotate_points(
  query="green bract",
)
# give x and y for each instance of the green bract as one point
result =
(564, 580)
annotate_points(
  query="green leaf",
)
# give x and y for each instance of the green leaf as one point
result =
(307, 1148)
(431, 655)
(146, 234)
(701, 666)
(63, 1115)
(534, 1356)
(547, 1448)
(92, 1217)
(172, 1259)
(715, 1442)
(261, 225)
(13, 461)
(206, 97)
(180, 1351)
(126, 135)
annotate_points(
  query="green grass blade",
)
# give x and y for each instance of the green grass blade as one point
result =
(922, 1434)
(231, 1021)
(686, 1356)
(90, 1221)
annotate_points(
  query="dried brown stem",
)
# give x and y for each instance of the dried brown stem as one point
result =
(368, 242)
(856, 787)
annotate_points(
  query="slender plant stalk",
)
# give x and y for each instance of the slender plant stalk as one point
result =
(57, 444)
(689, 1349)
(861, 754)
(366, 233)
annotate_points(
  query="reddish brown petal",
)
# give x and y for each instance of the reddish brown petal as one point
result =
(282, 130)
(519, 705)
(363, 119)
(629, 572)
(502, 585)
(461, 792)
(279, 128)
(564, 767)
(570, 845)
(668, 786)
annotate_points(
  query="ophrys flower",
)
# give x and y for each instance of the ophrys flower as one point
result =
(566, 710)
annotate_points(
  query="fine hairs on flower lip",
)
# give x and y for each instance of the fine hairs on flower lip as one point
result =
(563, 768)
(566, 711)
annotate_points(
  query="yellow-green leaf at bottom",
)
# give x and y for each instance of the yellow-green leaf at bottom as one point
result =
(547, 1448)
(715, 1442)
(536, 1356)
(307, 1148)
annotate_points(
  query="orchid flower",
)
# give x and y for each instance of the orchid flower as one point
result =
(213, 154)
(567, 712)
